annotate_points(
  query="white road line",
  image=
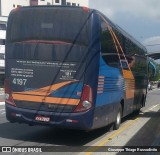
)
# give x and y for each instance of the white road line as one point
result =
(150, 108)
(103, 142)
(153, 107)
(2, 109)
(3, 113)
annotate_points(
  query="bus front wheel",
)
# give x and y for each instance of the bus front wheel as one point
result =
(117, 122)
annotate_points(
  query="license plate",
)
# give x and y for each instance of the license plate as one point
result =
(42, 118)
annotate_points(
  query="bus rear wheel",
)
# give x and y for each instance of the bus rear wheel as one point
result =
(117, 122)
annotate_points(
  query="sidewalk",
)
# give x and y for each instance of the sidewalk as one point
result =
(1, 96)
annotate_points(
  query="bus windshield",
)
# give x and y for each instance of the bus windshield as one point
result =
(50, 24)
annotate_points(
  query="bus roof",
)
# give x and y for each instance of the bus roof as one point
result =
(86, 9)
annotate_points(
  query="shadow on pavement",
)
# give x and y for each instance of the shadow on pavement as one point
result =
(51, 136)
(47, 135)
(148, 135)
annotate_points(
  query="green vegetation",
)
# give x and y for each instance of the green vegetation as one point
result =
(154, 76)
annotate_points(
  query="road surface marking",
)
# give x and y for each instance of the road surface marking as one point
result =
(93, 149)
(2, 109)
(3, 113)
(113, 135)
(153, 107)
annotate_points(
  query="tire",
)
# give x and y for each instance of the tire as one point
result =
(143, 101)
(137, 112)
(142, 104)
(117, 122)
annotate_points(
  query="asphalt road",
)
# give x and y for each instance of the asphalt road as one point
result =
(141, 130)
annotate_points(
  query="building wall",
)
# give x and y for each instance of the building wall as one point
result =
(8, 5)
(79, 2)
(50, 2)
(62, 2)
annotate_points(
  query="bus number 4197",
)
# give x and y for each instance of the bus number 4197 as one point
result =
(19, 81)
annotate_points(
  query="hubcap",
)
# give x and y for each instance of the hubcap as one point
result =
(118, 118)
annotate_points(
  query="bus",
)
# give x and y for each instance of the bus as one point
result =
(71, 67)
(3, 26)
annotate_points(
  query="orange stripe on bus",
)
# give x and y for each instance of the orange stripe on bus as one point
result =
(44, 99)
(101, 83)
(128, 74)
(100, 89)
(45, 91)
(129, 83)
(101, 77)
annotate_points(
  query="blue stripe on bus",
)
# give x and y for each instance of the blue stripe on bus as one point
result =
(113, 87)
(70, 91)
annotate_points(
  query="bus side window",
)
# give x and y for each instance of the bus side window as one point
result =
(108, 49)
(124, 64)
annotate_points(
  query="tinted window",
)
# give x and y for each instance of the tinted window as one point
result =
(49, 23)
(131, 48)
(108, 47)
(140, 64)
(47, 52)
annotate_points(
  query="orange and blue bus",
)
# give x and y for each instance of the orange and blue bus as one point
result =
(71, 67)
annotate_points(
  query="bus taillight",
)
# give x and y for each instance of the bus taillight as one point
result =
(86, 9)
(86, 99)
(8, 94)
(16, 9)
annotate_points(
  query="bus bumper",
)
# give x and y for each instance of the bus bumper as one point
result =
(80, 121)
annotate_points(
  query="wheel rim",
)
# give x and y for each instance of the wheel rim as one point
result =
(118, 118)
